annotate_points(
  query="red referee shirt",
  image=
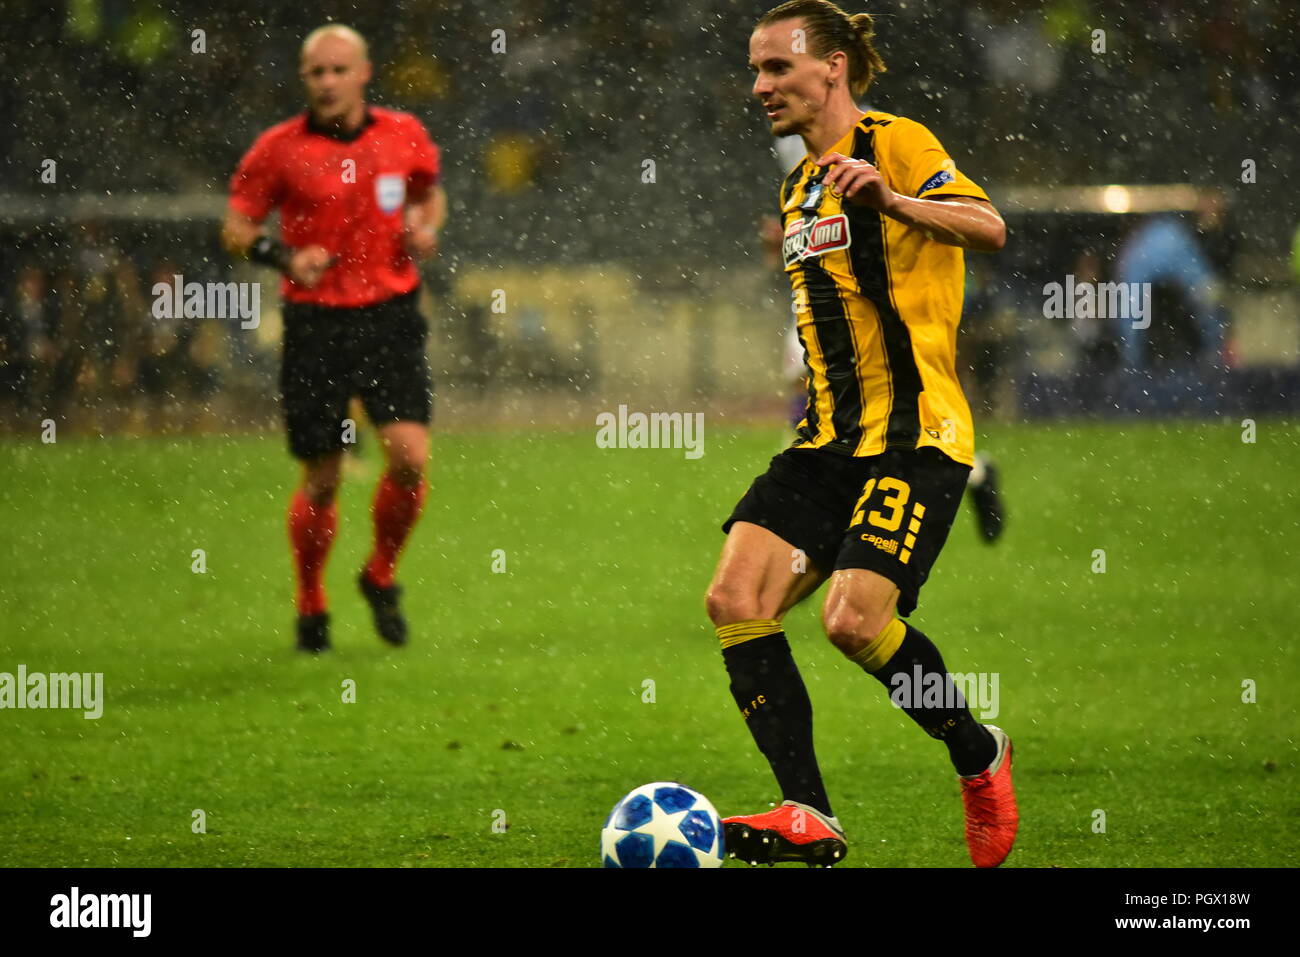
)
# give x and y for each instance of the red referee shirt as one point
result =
(347, 195)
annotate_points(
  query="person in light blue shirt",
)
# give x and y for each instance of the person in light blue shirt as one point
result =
(1165, 249)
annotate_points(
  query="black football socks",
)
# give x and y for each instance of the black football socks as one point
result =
(909, 665)
(774, 703)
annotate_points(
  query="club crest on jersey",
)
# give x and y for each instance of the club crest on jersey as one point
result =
(814, 199)
(390, 191)
(806, 238)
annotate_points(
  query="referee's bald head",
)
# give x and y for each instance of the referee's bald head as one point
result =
(339, 31)
(335, 69)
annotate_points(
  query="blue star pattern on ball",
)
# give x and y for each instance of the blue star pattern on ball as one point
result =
(663, 824)
(675, 798)
(635, 812)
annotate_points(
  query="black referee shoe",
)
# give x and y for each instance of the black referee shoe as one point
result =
(389, 620)
(314, 632)
(988, 504)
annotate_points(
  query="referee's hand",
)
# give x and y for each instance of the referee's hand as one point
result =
(309, 264)
(421, 238)
(422, 242)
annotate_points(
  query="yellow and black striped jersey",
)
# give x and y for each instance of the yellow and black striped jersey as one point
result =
(877, 302)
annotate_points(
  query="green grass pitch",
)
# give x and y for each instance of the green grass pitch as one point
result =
(522, 691)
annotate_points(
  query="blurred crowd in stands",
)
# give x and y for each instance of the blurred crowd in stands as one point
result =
(80, 341)
(538, 99)
(546, 111)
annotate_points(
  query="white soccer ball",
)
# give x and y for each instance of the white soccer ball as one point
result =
(664, 824)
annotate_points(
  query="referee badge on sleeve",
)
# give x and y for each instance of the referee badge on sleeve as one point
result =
(390, 191)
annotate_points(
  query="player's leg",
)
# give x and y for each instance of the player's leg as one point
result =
(398, 503)
(399, 496)
(396, 389)
(313, 521)
(895, 534)
(321, 477)
(981, 349)
(985, 490)
(860, 621)
(760, 577)
(782, 539)
(314, 398)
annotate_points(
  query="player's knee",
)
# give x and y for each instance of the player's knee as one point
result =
(321, 491)
(850, 628)
(406, 456)
(406, 473)
(727, 604)
(321, 479)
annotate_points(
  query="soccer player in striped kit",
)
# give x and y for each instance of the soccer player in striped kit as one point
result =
(983, 487)
(874, 221)
(358, 191)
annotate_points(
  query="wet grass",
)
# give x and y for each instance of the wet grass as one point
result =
(550, 580)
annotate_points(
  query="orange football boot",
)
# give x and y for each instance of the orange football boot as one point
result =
(792, 832)
(990, 800)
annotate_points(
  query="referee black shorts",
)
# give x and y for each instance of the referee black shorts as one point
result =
(331, 354)
(888, 513)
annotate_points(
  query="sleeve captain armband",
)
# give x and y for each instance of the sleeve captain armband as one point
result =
(269, 251)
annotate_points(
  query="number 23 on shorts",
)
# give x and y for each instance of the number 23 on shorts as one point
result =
(889, 516)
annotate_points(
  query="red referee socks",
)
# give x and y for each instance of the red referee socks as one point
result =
(311, 532)
(396, 509)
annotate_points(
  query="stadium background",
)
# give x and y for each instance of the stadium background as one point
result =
(654, 290)
(524, 691)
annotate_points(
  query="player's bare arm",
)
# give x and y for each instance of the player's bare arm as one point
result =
(964, 221)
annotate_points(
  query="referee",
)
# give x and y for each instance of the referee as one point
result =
(358, 192)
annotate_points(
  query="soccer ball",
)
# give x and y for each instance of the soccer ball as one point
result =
(662, 825)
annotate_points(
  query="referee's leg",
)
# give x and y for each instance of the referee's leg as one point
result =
(396, 387)
(406, 450)
(313, 520)
(321, 475)
(314, 397)
(399, 497)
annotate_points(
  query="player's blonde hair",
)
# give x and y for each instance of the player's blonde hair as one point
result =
(830, 30)
(335, 30)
